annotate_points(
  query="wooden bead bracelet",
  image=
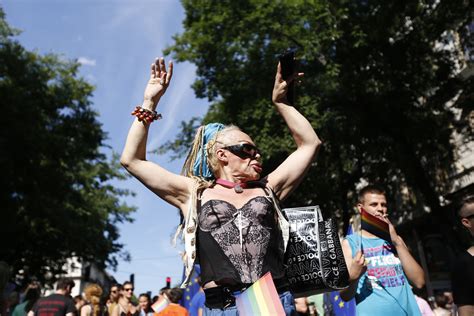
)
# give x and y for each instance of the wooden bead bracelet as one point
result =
(146, 116)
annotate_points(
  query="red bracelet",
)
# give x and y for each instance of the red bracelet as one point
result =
(146, 116)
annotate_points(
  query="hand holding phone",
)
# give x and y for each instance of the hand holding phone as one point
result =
(288, 67)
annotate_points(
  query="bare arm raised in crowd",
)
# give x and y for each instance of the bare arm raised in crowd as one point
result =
(290, 173)
(171, 187)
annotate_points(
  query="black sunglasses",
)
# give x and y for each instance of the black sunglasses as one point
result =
(243, 150)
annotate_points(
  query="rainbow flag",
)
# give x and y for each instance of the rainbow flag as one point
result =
(375, 225)
(261, 298)
(160, 304)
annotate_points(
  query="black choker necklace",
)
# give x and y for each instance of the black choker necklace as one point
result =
(238, 187)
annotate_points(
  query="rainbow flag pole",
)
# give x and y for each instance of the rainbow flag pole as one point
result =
(261, 298)
(375, 225)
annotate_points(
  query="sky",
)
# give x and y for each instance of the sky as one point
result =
(116, 41)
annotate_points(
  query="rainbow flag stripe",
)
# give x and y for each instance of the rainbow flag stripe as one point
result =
(260, 299)
(375, 225)
(160, 304)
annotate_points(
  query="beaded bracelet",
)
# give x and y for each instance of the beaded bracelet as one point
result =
(145, 115)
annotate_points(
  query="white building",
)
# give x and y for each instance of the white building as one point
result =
(84, 273)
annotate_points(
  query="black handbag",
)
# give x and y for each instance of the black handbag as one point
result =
(314, 258)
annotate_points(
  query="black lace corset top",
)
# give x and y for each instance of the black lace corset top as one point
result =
(239, 245)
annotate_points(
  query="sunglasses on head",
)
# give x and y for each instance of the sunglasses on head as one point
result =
(243, 150)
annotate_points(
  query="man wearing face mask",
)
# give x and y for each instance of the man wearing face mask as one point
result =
(380, 270)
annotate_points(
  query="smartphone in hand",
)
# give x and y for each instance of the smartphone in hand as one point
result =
(288, 67)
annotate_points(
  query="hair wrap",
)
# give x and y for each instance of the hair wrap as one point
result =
(201, 166)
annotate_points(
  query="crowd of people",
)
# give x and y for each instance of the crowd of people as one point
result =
(232, 225)
(118, 300)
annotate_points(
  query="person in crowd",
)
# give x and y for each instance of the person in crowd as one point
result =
(125, 307)
(163, 290)
(158, 299)
(161, 296)
(144, 303)
(441, 309)
(114, 294)
(31, 296)
(79, 301)
(315, 304)
(13, 300)
(301, 305)
(380, 270)
(423, 305)
(226, 205)
(174, 295)
(93, 307)
(463, 269)
(59, 303)
(450, 305)
(33, 283)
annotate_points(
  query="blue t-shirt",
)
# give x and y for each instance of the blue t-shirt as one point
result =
(196, 303)
(383, 289)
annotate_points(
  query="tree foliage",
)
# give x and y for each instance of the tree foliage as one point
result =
(375, 89)
(57, 199)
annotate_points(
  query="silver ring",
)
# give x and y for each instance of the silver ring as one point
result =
(162, 81)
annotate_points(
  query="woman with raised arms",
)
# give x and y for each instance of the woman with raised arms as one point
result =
(232, 226)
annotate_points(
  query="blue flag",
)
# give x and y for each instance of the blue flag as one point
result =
(192, 288)
(339, 307)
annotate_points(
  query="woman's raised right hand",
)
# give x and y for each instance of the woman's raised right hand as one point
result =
(158, 83)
